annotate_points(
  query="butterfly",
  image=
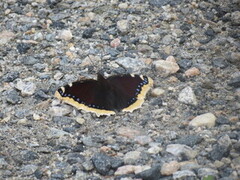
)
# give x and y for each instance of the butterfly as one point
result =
(106, 96)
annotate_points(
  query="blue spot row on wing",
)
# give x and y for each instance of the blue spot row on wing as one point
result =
(79, 100)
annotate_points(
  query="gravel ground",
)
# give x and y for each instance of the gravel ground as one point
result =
(188, 127)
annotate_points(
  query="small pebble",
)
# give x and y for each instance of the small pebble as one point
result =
(166, 67)
(65, 35)
(207, 119)
(132, 157)
(180, 149)
(5, 37)
(115, 42)
(184, 174)
(27, 88)
(169, 168)
(127, 132)
(192, 72)
(123, 25)
(187, 96)
(157, 92)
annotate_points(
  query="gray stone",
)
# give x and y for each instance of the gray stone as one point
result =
(189, 140)
(123, 25)
(218, 152)
(87, 165)
(150, 174)
(5, 37)
(102, 163)
(132, 157)
(235, 82)
(28, 169)
(181, 150)
(56, 133)
(187, 96)
(131, 63)
(29, 60)
(160, 3)
(13, 97)
(27, 88)
(185, 174)
(30, 156)
(10, 76)
(202, 172)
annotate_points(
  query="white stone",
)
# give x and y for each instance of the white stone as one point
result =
(207, 119)
(187, 96)
(166, 67)
(6, 36)
(80, 120)
(131, 157)
(169, 168)
(27, 88)
(123, 25)
(180, 149)
(60, 110)
(157, 92)
(154, 150)
(65, 35)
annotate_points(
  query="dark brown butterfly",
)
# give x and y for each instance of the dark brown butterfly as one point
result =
(105, 96)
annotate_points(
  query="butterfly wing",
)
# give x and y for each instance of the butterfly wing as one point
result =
(132, 90)
(87, 95)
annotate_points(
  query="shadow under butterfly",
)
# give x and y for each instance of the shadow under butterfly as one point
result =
(106, 96)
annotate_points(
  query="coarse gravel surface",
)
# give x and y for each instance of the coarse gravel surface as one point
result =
(188, 126)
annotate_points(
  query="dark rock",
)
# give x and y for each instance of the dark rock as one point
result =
(105, 37)
(184, 64)
(39, 67)
(73, 158)
(219, 152)
(150, 174)
(78, 148)
(23, 48)
(30, 156)
(185, 27)
(225, 172)
(21, 113)
(29, 60)
(205, 41)
(58, 16)
(157, 102)
(58, 25)
(88, 33)
(53, 3)
(160, 3)
(10, 76)
(116, 162)
(220, 62)
(13, 97)
(236, 146)
(222, 120)
(93, 178)
(57, 176)
(102, 163)
(189, 140)
(113, 52)
(235, 82)
(63, 120)
(210, 32)
(69, 129)
(38, 174)
(1, 115)
(41, 95)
